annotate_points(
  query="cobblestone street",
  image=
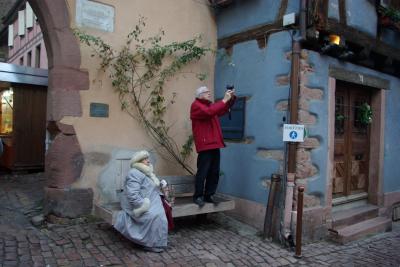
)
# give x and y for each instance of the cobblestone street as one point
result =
(216, 242)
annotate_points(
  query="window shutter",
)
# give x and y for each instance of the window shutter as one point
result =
(232, 123)
(10, 35)
(21, 22)
(29, 16)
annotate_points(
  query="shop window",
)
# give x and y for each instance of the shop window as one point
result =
(6, 115)
(233, 123)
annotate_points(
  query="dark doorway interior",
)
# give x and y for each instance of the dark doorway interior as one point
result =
(23, 127)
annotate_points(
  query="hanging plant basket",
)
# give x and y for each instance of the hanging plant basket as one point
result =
(389, 17)
(365, 114)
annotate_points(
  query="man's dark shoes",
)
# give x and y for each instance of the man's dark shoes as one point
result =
(199, 201)
(211, 199)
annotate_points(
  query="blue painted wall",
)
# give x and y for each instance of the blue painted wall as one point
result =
(246, 14)
(254, 71)
(362, 16)
(391, 167)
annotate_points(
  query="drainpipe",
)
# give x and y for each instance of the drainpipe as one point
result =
(293, 115)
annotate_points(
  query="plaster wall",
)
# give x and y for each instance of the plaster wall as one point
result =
(362, 16)
(231, 20)
(248, 166)
(103, 139)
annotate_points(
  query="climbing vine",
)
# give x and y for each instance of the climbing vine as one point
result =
(139, 72)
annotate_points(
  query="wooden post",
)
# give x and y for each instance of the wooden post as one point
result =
(299, 224)
(268, 220)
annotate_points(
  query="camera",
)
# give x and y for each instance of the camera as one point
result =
(230, 87)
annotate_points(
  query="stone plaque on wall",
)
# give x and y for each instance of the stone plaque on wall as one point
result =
(99, 110)
(95, 15)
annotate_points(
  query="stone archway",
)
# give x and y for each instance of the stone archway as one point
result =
(64, 159)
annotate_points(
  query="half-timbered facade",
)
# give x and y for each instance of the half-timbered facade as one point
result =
(342, 84)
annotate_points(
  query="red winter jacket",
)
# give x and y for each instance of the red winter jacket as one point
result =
(206, 129)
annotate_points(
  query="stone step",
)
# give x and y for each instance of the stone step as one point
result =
(342, 218)
(361, 229)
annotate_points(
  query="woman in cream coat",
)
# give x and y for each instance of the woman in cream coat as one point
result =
(142, 219)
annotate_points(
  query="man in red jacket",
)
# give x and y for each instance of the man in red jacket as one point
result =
(208, 140)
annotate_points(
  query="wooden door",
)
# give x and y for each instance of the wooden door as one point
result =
(352, 140)
(29, 126)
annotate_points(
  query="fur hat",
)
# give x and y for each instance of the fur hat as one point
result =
(139, 156)
(201, 90)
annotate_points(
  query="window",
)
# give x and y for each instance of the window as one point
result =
(390, 3)
(6, 115)
(233, 123)
(21, 61)
(37, 56)
(29, 59)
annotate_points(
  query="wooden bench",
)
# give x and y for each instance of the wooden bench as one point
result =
(181, 187)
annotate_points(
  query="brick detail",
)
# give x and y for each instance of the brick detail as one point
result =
(306, 117)
(309, 143)
(311, 201)
(270, 154)
(310, 94)
(305, 169)
(282, 105)
(304, 55)
(303, 103)
(283, 80)
(305, 66)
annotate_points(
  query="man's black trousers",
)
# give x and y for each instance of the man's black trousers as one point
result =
(208, 171)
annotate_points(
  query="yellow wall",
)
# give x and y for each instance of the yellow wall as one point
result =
(99, 137)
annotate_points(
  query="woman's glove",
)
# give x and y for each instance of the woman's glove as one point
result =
(143, 208)
(163, 183)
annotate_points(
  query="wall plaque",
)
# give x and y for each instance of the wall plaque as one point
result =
(95, 15)
(99, 110)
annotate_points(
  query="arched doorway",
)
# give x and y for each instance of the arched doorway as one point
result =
(64, 159)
